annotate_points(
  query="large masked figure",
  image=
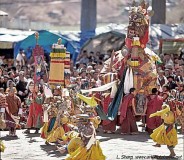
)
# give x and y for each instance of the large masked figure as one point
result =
(136, 66)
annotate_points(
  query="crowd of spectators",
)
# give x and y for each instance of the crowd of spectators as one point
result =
(171, 72)
(86, 71)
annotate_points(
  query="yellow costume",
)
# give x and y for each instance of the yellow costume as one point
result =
(49, 127)
(44, 130)
(165, 134)
(96, 121)
(88, 147)
(94, 153)
(2, 147)
(58, 132)
(70, 135)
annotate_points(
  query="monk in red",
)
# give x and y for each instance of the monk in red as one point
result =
(154, 104)
(127, 114)
(107, 125)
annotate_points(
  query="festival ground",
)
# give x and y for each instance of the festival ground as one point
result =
(114, 146)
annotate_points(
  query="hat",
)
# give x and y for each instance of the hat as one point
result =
(82, 70)
(21, 73)
(181, 84)
(78, 78)
(93, 63)
(170, 77)
(160, 71)
(90, 67)
(57, 97)
(72, 86)
(21, 50)
(106, 57)
(58, 87)
(169, 66)
(6, 76)
(92, 71)
(82, 116)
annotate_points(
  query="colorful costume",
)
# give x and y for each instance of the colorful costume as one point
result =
(89, 147)
(165, 134)
(2, 146)
(60, 125)
(51, 125)
(140, 61)
(58, 131)
(35, 119)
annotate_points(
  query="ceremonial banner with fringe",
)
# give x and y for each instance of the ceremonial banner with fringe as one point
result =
(56, 76)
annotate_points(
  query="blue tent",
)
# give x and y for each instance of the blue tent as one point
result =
(46, 39)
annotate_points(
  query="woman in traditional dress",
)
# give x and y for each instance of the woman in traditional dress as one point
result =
(35, 100)
(166, 133)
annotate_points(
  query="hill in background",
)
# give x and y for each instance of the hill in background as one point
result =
(67, 12)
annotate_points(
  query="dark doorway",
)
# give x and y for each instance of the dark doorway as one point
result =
(8, 53)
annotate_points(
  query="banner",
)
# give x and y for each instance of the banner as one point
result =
(101, 88)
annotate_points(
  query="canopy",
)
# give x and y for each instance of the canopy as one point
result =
(156, 32)
(105, 42)
(2, 13)
(171, 45)
(7, 41)
(46, 39)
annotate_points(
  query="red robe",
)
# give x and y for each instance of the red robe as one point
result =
(127, 118)
(35, 119)
(155, 103)
(107, 124)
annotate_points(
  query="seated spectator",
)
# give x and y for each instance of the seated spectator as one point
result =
(22, 91)
(84, 59)
(161, 79)
(171, 83)
(2, 83)
(178, 77)
(20, 59)
(89, 68)
(1, 71)
(168, 60)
